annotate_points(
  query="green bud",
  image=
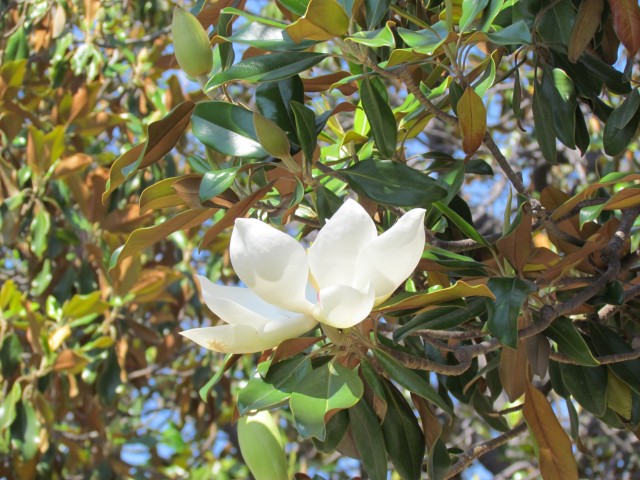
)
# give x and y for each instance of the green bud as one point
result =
(274, 140)
(261, 447)
(191, 43)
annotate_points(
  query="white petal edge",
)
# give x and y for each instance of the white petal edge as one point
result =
(227, 338)
(342, 306)
(271, 263)
(237, 305)
(276, 331)
(333, 255)
(390, 259)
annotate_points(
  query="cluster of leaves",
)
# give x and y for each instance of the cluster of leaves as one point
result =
(406, 104)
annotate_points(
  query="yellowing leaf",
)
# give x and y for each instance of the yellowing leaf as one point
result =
(626, 22)
(472, 116)
(323, 20)
(625, 198)
(421, 300)
(59, 336)
(554, 447)
(619, 396)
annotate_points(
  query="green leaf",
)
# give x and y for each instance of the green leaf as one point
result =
(393, 183)
(515, 34)
(410, 380)
(266, 68)
(555, 25)
(439, 461)
(229, 359)
(305, 128)
(570, 342)
(383, 37)
(442, 318)
(281, 379)
(375, 11)
(425, 41)
(369, 440)
(557, 89)
(82, 305)
(215, 182)
(462, 224)
(227, 128)
(40, 227)
(17, 47)
(470, 11)
(336, 429)
(608, 342)
(454, 261)
(274, 102)
(588, 385)
(403, 436)
(262, 447)
(542, 112)
(10, 356)
(267, 37)
(8, 406)
(330, 386)
(109, 379)
(511, 293)
(380, 116)
(25, 431)
(622, 125)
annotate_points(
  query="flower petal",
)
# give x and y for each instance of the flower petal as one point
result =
(276, 331)
(388, 260)
(228, 338)
(270, 263)
(333, 256)
(236, 305)
(341, 306)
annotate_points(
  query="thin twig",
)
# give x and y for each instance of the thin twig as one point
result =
(469, 456)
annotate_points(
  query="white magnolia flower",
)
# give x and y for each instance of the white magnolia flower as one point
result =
(348, 270)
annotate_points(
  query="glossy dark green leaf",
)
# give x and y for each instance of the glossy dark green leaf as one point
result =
(555, 375)
(25, 431)
(215, 182)
(369, 440)
(464, 226)
(612, 294)
(229, 360)
(225, 50)
(10, 356)
(622, 125)
(555, 25)
(510, 292)
(403, 436)
(327, 203)
(582, 132)
(442, 318)
(484, 407)
(614, 79)
(375, 11)
(226, 128)
(109, 379)
(454, 261)
(17, 47)
(570, 342)
(477, 166)
(267, 68)
(274, 102)
(608, 342)
(337, 426)
(588, 385)
(372, 378)
(558, 92)
(328, 387)
(305, 128)
(380, 116)
(393, 183)
(542, 112)
(439, 461)
(410, 380)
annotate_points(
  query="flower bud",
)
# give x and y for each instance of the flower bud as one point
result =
(261, 446)
(191, 43)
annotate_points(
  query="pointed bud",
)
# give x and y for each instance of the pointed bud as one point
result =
(262, 447)
(274, 140)
(191, 43)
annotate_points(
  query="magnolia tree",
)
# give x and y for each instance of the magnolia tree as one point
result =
(334, 200)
